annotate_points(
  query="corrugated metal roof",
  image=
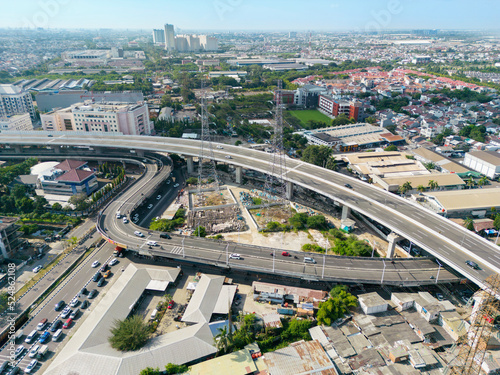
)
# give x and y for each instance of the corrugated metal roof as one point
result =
(303, 357)
(204, 299)
(89, 353)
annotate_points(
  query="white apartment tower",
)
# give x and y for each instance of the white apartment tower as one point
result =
(158, 36)
(169, 37)
(15, 101)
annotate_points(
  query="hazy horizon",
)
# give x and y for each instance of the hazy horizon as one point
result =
(257, 15)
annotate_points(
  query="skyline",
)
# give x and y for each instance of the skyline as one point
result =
(241, 15)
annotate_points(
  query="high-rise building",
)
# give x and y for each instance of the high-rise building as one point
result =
(169, 37)
(15, 101)
(128, 119)
(158, 36)
(17, 123)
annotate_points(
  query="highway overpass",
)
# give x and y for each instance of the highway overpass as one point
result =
(447, 241)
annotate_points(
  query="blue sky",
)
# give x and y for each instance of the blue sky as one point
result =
(252, 14)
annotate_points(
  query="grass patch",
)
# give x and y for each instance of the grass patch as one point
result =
(311, 114)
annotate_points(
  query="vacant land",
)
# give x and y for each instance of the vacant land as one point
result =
(312, 114)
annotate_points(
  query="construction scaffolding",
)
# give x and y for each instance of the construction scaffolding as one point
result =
(472, 347)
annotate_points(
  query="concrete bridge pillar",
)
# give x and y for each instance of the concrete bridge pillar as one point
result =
(239, 175)
(346, 211)
(393, 239)
(18, 149)
(57, 149)
(289, 190)
(190, 165)
(139, 153)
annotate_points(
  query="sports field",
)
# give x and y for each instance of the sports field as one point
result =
(311, 114)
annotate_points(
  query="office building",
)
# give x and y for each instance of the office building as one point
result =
(128, 119)
(169, 37)
(334, 107)
(48, 101)
(10, 237)
(15, 101)
(307, 96)
(158, 36)
(17, 123)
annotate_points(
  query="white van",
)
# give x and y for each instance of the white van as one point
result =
(31, 337)
(57, 335)
(152, 243)
(309, 260)
(41, 353)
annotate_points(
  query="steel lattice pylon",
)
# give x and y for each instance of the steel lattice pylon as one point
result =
(275, 186)
(474, 343)
(206, 149)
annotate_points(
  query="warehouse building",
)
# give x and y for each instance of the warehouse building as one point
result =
(484, 162)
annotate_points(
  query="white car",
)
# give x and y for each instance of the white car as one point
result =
(74, 302)
(158, 197)
(150, 206)
(235, 256)
(176, 185)
(95, 264)
(34, 351)
(37, 268)
(228, 157)
(151, 243)
(31, 366)
(138, 234)
(125, 220)
(113, 261)
(220, 147)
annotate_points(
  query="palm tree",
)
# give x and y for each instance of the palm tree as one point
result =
(469, 223)
(433, 184)
(420, 188)
(405, 187)
(222, 340)
(483, 181)
(470, 182)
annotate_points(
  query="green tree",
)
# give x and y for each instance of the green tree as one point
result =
(222, 340)
(150, 371)
(316, 222)
(483, 181)
(496, 222)
(172, 369)
(391, 148)
(470, 183)
(4, 298)
(406, 187)
(433, 185)
(317, 155)
(339, 303)
(469, 223)
(57, 207)
(192, 181)
(129, 334)
(420, 188)
(200, 232)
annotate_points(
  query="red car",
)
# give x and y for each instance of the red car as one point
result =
(285, 253)
(67, 323)
(171, 304)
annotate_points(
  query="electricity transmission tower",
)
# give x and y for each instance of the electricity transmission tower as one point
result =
(474, 343)
(206, 148)
(275, 186)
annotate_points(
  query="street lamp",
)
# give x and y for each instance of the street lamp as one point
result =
(439, 269)
(183, 253)
(383, 272)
